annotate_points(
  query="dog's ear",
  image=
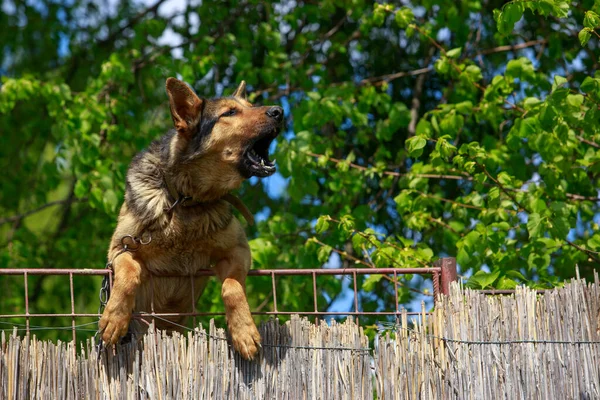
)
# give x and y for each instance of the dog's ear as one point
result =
(186, 106)
(241, 91)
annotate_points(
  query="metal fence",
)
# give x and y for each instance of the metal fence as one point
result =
(442, 273)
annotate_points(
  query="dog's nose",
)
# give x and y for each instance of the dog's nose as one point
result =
(276, 113)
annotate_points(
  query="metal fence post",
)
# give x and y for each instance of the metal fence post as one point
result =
(448, 273)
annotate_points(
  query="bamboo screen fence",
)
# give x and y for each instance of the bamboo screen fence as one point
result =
(472, 346)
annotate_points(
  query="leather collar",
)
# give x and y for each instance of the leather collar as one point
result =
(179, 200)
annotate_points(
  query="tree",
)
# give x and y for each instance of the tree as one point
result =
(463, 129)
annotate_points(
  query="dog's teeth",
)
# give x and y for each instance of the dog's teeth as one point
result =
(262, 162)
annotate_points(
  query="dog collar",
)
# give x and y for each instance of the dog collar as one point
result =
(178, 199)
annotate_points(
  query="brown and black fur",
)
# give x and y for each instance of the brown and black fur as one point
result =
(203, 158)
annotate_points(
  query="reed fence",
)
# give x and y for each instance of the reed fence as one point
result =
(526, 345)
(475, 346)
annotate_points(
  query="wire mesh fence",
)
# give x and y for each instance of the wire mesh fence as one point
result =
(82, 324)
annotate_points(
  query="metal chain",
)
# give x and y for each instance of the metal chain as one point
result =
(131, 244)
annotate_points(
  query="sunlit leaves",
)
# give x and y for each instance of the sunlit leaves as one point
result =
(415, 145)
(591, 20)
(454, 53)
(264, 253)
(521, 68)
(322, 224)
(404, 17)
(510, 14)
(584, 36)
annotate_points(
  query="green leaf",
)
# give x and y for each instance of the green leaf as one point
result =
(370, 283)
(471, 240)
(454, 53)
(494, 196)
(559, 81)
(404, 17)
(473, 73)
(442, 66)
(516, 274)
(505, 283)
(423, 128)
(575, 100)
(483, 280)
(590, 85)
(561, 9)
(322, 224)
(81, 189)
(323, 253)
(591, 20)
(560, 227)
(379, 14)
(263, 252)
(594, 242)
(584, 36)
(464, 107)
(529, 127)
(538, 261)
(347, 224)
(508, 17)
(97, 194)
(521, 68)
(534, 225)
(505, 179)
(314, 96)
(452, 124)
(445, 148)
(358, 241)
(538, 205)
(415, 146)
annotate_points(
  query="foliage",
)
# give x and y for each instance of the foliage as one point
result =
(444, 129)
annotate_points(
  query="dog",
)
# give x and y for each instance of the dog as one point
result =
(177, 216)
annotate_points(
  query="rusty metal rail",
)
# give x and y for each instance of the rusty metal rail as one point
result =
(442, 274)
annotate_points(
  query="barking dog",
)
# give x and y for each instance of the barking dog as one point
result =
(177, 204)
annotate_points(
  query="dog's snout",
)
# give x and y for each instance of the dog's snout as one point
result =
(276, 113)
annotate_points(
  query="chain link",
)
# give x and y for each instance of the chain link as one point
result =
(131, 244)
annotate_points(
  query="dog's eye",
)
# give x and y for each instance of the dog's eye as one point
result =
(229, 113)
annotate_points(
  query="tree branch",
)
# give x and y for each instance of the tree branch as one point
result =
(501, 186)
(36, 210)
(513, 47)
(445, 225)
(586, 141)
(591, 254)
(416, 99)
(458, 177)
(344, 254)
(131, 23)
(390, 77)
(451, 201)
(393, 173)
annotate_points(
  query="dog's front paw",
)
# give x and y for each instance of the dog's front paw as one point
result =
(114, 324)
(244, 335)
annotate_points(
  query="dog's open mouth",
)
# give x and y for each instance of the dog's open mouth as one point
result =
(256, 157)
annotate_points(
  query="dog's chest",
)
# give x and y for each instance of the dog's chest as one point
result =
(180, 259)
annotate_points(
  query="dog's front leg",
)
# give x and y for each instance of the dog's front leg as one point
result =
(232, 271)
(116, 316)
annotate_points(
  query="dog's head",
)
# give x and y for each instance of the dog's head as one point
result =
(229, 135)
